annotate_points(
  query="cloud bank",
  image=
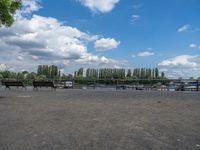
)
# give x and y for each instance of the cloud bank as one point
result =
(45, 40)
(181, 66)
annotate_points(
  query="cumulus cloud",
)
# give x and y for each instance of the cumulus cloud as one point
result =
(145, 54)
(184, 28)
(105, 44)
(37, 40)
(185, 66)
(30, 6)
(44, 36)
(102, 6)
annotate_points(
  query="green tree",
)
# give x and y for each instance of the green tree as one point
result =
(31, 76)
(41, 77)
(134, 73)
(51, 72)
(6, 74)
(39, 70)
(25, 74)
(7, 10)
(1, 76)
(88, 73)
(20, 76)
(148, 73)
(80, 72)
(142, 73)
(156, 73)
(92, 73)
(153, 74)
(75, 74)
(162, 74)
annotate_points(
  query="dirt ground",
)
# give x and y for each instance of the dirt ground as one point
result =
(99, 120)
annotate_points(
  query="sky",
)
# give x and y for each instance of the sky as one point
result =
(107, 33)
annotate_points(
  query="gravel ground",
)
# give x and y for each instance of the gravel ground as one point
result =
(99, 120)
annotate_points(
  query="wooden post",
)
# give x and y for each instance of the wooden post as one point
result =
(197, 85)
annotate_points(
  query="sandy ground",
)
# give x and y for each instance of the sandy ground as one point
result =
(99, 120)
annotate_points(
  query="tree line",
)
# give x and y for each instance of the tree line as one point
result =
(112, 73)
(113, 76)
(43, 73)
(81, 76)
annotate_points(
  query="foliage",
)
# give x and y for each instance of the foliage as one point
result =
(114, 76)
(1, 76)
(129, 74)
(51, 72)
(7, 10)
(109, 73)
(110, 76)
(44, 72)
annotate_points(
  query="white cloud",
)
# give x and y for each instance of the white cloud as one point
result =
(95, 61)
(185, 66)
(135, 18)
(105, 44)
(182, 60)
(193, 46)
(45, 40)
(188, 28)
(46, 36)
(30, 6)
(145, 54)
(19, 58)
(184, 28)
(3, 67)
(34, 57)
(103, 6)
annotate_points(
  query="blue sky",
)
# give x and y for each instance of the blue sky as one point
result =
(107, 33)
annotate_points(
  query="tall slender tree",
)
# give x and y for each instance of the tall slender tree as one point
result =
(156, 73)
(129, 73)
